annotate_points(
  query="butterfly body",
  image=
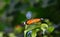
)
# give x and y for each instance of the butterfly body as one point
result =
(31, 21)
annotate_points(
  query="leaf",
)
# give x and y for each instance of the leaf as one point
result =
(51, 29)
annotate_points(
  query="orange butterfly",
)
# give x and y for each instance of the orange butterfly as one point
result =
(31, 21)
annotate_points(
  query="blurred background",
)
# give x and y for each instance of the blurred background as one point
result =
(15, 12)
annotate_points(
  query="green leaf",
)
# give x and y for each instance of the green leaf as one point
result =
(51, 29)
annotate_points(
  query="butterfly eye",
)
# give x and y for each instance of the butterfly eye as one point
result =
(24, 23)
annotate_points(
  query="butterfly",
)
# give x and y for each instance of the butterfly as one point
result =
(31, 21)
